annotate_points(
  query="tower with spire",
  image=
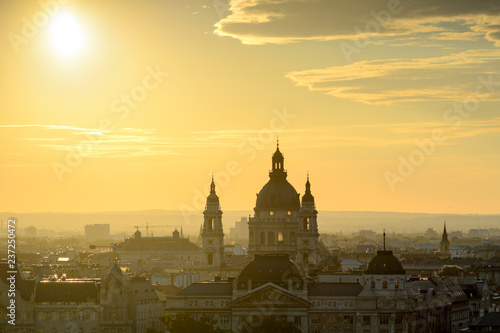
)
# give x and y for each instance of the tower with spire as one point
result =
(444, 248)
(308, 251)
(212, 234)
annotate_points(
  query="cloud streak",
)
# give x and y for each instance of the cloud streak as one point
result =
(447, 78)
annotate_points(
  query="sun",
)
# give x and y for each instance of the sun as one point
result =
(66, 35)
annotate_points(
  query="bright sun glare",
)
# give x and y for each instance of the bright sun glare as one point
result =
(66, 35)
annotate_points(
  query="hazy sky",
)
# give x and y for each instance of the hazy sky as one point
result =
(130, 105)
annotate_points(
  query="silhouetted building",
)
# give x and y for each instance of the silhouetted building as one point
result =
(444, 246)
(281, 224)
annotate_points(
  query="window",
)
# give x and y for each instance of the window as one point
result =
(224, 319)
(315, 320)
(399, 319)
(262, 238)
(210, 224)
(306, 223)
(384, 319)
(305, 259)
(210, 259)
(396, 284)
(366, 320)
(348, 319)
(281, 238)
(292, 238)
(384, 285)
(297, 319)
(283, 319)
(373, 284)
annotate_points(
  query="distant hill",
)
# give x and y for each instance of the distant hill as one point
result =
(163, 222)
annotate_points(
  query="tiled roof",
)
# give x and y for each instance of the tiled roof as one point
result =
(66, 292)
(208, 289)
(334, 289)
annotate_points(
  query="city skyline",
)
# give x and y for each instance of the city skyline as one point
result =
(388, 105)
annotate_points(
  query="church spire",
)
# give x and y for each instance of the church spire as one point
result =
(308, 197)
(212, 197)
(445, 234)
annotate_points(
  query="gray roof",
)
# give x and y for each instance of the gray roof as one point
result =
(334, 289)
(208, 289)
(67, 292)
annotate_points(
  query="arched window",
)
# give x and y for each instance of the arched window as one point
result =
(396, 284)
(384, 285)
(210, 223)
(271, 238)
(373, 284)
(305, 259)
(210, 259)
(292, 238)
(281, 237)
(262, 238)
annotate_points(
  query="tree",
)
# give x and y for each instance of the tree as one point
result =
(182, 322)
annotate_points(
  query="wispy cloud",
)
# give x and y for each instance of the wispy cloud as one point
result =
(447, 78)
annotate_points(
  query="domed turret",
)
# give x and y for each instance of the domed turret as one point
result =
(278, 193)
(385, 263)
(137, 234)
(212, 197)
(308, 197)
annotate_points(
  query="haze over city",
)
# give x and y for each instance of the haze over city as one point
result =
(80, 132)
(249, 166)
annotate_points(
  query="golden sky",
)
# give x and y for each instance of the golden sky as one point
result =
(131, 105)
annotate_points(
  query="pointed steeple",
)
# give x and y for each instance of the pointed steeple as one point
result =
(308, 197)
(212, 197)
(445, 235)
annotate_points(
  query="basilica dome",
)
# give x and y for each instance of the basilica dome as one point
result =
(278, 193)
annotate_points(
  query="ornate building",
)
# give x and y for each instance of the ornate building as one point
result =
(381, 300)
(116, 303)
(212, 234)
(281, 224)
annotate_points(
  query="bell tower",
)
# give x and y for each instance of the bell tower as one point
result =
(212, 234)
(308, 251)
